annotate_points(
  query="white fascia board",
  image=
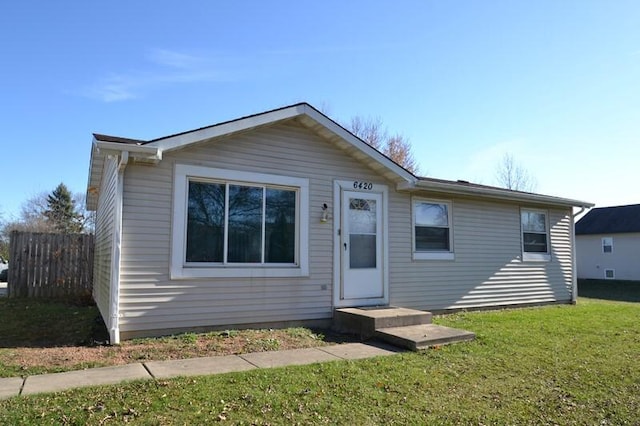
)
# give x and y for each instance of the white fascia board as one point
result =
(358, 144)
(144, 152)
(496, 193)
(179, 141)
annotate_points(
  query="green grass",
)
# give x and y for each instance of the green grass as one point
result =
(44, 323)
(628, 291)
(550, 365)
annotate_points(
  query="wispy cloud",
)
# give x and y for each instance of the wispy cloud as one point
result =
(483, 164)
(113, 88)
(161, 68)
(175, 59)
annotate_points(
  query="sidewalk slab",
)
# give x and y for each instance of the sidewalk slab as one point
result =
(360, 350)
(197, 366)
(90, 377)
(10, 387)
(288, 357)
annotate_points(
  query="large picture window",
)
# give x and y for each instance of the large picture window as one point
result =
(228, 223)
(535, 235)
(432, 237)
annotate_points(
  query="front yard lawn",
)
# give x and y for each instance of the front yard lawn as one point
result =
(549, 365)
(40, 336)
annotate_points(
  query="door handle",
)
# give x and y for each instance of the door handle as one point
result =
(345, 246)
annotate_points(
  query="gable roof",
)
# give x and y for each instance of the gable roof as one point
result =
(610, 220)
(152, 151)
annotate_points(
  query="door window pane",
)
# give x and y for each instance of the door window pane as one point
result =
(205, 222)
(362, 253)
(362, 216)
(362, 233)
(245, 224)
(280, 226)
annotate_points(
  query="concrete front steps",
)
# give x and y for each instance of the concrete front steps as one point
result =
(407, 328)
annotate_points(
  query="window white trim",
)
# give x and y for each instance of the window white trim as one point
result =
(531, 256)
(613, 274)
(607, 242)
(435, 254)
(180, 270)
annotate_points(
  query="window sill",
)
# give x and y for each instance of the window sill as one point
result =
(433, 256)
(536, 257)
(236, 272)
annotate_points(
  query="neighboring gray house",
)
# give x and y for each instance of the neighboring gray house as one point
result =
(608, 243)
(280, 217)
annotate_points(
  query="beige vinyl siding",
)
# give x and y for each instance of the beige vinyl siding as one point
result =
(105, 216)
(487, 270)
(150, 300)
(623, 259)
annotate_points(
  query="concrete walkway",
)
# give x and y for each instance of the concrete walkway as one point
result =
(43, 383)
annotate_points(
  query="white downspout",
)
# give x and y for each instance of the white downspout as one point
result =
(114, 320)
(574, 269)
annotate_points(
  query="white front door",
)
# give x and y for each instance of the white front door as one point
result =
(361, 248)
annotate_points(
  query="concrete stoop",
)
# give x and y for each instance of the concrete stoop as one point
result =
(416, 337)
(406, 328)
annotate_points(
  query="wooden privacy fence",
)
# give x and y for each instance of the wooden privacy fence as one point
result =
(50, 265)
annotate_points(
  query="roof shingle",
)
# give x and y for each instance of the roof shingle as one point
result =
(610, 220)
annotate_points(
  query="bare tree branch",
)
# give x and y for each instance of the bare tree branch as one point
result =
(512, 175)
(399, 150)
(396, 147)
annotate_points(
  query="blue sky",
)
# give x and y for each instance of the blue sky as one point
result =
(555, 83)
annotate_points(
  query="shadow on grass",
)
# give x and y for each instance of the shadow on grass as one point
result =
(623, 291)
(42, 323)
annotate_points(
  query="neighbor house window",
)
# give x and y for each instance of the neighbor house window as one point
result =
(535, 235)
(609, 274)
(432, 236)
(234, 224)
(607, 245)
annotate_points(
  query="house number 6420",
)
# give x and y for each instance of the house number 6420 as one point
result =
(362, 185)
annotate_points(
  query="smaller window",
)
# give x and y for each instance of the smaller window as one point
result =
(607, 245)
(535, 235)
(609, 274)
(432, 236)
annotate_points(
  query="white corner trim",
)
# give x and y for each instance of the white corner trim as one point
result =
(178, 269)
(116, 252)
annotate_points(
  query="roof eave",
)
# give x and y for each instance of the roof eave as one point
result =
(496, 194)
(182, 140)
(100, 150)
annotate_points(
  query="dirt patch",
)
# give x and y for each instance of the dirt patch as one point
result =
(174, 347)
(44, 336)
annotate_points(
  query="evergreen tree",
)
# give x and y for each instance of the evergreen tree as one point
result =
(61, 212)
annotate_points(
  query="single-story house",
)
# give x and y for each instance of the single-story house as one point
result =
(608, 243)
(281, 217)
